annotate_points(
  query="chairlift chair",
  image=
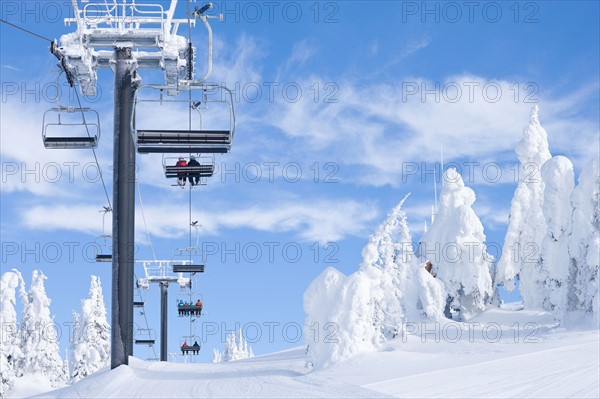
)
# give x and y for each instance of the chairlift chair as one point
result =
(189, 309)
(102, 247)
(149, 340)
(204, 170)
(189, 345)
(71, 118)
(188, 268)
(187, 140)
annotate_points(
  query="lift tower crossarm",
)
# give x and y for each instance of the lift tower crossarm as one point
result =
(139, 26)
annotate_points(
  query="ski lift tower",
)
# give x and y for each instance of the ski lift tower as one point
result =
(125, 35)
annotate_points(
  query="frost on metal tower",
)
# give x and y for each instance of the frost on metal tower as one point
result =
(147, 30)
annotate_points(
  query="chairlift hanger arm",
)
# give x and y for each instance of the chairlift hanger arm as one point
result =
(185, 141)
(199, 14)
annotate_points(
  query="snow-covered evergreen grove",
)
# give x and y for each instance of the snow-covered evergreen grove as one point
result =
(29, 347)
(235, 347)
(552, 249)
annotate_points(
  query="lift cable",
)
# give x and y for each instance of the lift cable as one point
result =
(190, 76)
(137, 182)
(25, 30)
(80, 107)
(189, 24)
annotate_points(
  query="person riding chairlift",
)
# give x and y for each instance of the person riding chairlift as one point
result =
(181, 175)
(184, 347)
(179, 307)
(194, 177)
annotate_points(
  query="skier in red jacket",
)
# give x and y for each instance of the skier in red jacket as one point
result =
(181, 176)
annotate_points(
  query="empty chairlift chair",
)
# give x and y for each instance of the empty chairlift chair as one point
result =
(146, 337)
(185, 138)
(190, 268)
(103, 252)
(70, 128)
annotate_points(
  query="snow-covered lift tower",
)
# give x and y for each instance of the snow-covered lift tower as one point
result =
(125, 35)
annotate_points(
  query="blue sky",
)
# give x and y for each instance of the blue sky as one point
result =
(364, 131)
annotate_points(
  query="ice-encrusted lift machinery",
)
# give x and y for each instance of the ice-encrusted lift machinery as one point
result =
(125, 35)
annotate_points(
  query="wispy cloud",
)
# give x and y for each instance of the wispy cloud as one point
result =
(319, 220)
(12, 68)
(29, 167)
(301, 52)
(382, 127)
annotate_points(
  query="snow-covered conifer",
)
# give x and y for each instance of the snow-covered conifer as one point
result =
(90, 350)
(584, 242)
(456, 239)
(556, 274)
(9, 347)
(526, 228)
(39, 337)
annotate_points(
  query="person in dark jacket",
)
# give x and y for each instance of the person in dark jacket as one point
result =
(194, 177)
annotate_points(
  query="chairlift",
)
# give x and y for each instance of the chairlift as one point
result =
(192, 308)
(189, 345)
(186, 139)
(186, 264)
(188, 268)
(151, 337)
(102, 243)
(79, 127)
(102, 249)
(195, 174)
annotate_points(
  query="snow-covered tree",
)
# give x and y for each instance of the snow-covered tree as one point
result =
(584, 242)
(39, 343)
(559, 181)
(527, 226)
(388, 261)
(235, 347)
(456, 241)
(402, 291)
(90, 349)
(355, 314)
(9, 347)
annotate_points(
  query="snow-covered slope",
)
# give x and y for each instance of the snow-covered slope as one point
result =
(281, 375)
(536, 360)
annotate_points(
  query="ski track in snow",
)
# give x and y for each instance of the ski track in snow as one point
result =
(570, 371)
